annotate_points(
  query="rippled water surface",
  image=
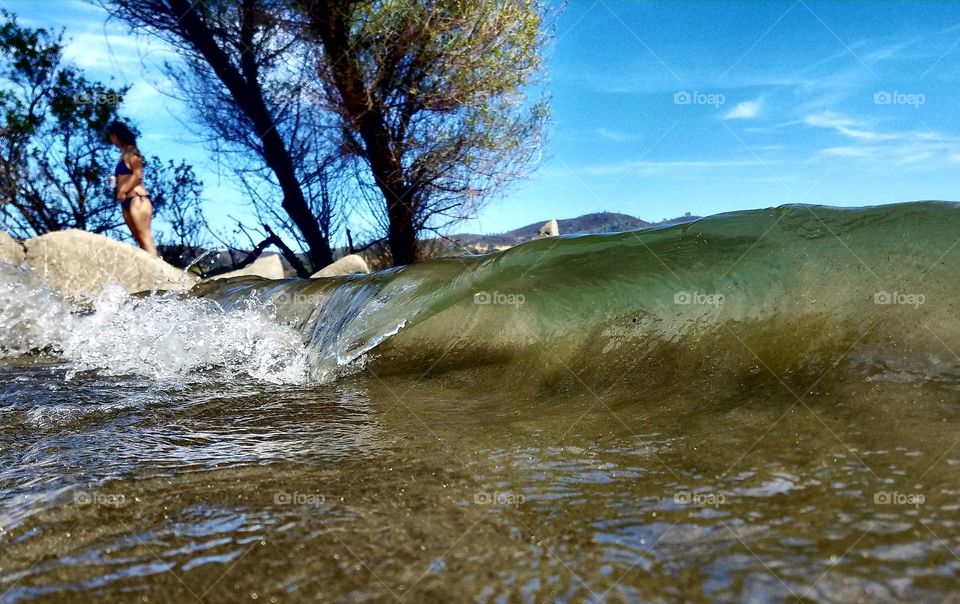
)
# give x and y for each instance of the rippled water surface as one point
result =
(604, 435)
(396, 489)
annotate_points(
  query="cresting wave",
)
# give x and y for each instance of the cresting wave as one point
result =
(788, 291)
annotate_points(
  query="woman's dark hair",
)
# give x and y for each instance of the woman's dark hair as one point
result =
(122, 132)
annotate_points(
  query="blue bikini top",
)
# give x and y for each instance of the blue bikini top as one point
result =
(121, 166)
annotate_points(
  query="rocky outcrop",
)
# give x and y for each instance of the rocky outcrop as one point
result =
(549, 229)
(11, 250)
(80, 264)
(266, 266)
(348, 265)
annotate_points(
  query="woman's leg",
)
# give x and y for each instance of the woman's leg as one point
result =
(133, 229)
(140, 214)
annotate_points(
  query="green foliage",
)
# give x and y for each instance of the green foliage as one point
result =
(54, 154)
(435, 96)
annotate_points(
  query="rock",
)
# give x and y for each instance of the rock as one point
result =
(549, 229)
(348, 265)
(11, 250)
(266, 266)
(79, 264)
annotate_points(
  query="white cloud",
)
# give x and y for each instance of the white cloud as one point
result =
(659, 167)
(847, 127)
(615, 135)
(148, 101)
(91, 50)
(926, 149)
(121, 54)
(931, 156)
(849, 151)
(744, 110)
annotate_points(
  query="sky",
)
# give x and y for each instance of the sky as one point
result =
(662, 108)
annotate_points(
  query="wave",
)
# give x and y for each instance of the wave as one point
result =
(786, 291)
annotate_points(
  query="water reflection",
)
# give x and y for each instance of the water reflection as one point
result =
(397, 489)
(95, 432)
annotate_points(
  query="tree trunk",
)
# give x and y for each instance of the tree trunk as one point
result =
(246, 92)
(296, 207)
(330, 21)
(402, 236)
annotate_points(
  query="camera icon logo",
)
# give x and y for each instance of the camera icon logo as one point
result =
(682, 298)
(882, 298)
(481, 298)
(882, 97)
(682, 98)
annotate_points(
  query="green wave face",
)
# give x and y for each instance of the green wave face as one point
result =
(790, 292)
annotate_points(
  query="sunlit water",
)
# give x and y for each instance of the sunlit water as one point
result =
(179, 448)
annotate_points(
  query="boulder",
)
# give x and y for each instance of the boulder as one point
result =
(348, 265)
(267, 266)
(79, 264)
(549, 229)
(11, 250)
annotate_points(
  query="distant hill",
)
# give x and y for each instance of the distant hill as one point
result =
(601, 222)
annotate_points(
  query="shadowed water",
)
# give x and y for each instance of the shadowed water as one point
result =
(597, 429)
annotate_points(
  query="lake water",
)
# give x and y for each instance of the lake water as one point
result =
(757, 406)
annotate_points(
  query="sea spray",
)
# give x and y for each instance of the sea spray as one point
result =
(160, 336)
(165, 335)
(32, 315)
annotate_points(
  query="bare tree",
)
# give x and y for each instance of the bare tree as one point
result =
(176, 193)
(432, 97)
(251, 80)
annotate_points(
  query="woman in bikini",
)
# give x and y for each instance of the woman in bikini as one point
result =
(134, 203)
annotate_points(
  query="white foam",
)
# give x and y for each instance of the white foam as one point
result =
(31, 314)
(163, 336)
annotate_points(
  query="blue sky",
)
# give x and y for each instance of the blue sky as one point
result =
(661, 108)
